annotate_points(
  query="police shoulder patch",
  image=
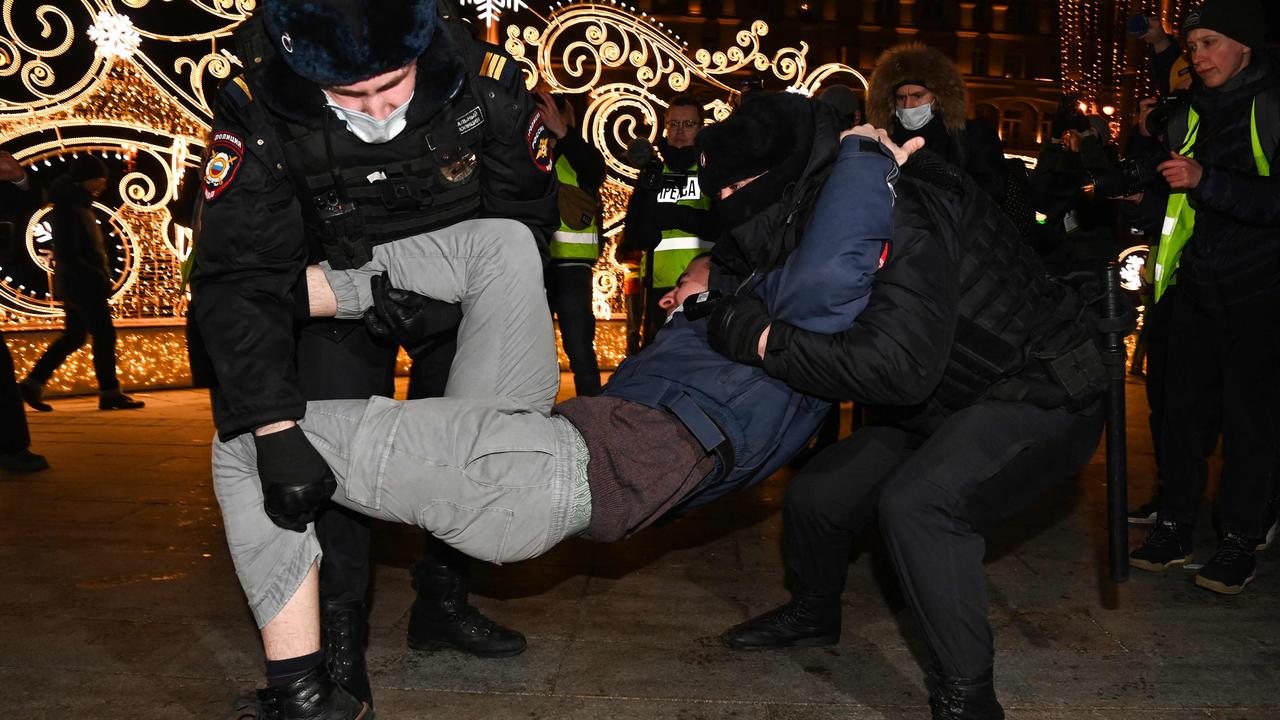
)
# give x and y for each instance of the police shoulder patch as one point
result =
(539, 139)
(226, 152)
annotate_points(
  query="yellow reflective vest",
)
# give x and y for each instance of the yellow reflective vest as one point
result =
(678, 247)
(569, 243)
(1180, 216)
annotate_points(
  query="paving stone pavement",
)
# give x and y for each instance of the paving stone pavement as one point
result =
(118, 600)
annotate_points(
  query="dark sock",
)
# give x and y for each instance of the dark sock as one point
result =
(283, 672)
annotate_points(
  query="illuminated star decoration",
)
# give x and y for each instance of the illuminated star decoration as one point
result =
(114, 35)
(490, 11)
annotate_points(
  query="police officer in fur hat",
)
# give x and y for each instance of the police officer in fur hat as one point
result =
(916, 91)
(354, 123)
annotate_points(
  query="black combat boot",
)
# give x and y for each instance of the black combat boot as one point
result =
(314, 696)
(806, 621)
(963, 698)
(441, 616)
(345, 635)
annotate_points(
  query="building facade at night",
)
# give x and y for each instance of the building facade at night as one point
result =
(1008, 51)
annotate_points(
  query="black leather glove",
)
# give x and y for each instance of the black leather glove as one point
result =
(296, 481)
(735, 327)
(416, 322)
(700, 305)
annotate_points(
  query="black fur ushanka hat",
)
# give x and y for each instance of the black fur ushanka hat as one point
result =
(341, 42)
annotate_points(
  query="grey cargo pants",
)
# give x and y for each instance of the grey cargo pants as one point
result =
(484, 468)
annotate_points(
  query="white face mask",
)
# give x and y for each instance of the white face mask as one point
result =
(916, 117)
(368, 128)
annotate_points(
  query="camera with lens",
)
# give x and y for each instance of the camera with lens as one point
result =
(1125, 178)
(1157, 124)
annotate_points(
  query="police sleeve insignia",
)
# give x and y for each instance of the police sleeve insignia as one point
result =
(226, 151)
(539, 139)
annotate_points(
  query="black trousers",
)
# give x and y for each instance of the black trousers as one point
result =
(932, 495)
(85, 318)
(1222, 378)
(339, 360)
(1155, 325)
(635, 320)
(14, 436)
(654, 316)
(569, 295)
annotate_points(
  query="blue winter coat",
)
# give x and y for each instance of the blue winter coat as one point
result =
(822, 287)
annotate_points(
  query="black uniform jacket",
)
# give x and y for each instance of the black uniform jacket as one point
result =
(252, 247)
(956, 314)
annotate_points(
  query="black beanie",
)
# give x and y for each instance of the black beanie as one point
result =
(1240, 20)
(87, 167)
(759, 136)
(341, 42)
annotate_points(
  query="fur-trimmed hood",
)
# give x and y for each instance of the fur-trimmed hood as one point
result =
(917, 64)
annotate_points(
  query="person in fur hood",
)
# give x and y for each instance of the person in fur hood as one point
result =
(916, 91)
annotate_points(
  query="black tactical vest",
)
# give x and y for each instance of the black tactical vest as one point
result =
(355, 195)
(1020, 334)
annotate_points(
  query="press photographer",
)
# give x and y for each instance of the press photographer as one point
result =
(1079, 229)
(668, 217)
(1221, 246)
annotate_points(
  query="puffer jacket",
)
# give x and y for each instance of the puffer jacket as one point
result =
(1233, 254)
(962, 312)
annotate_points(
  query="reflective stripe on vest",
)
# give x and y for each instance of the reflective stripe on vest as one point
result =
(679, 247)
(1180, 217)
(568, 243)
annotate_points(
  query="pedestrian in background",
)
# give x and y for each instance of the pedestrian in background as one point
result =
(82, 281)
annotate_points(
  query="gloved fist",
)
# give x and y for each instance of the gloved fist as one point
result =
(296, 481)
(735, 328)
(416, 322)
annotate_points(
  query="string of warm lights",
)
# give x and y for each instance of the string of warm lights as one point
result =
(147, 113)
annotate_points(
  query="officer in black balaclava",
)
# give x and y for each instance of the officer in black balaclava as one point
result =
(354, 123)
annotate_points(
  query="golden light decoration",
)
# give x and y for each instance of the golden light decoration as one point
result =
(628, 65)
(100, 76)
(115, 78)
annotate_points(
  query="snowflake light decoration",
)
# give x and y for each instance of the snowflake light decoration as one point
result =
(490, 11)
(114, 35)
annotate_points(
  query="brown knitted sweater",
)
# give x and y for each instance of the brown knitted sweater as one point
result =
(643, 462)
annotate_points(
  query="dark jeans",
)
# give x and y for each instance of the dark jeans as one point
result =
(933, 495)
(569, 294)
(1223, 378)
(13, 417)
(84, 319)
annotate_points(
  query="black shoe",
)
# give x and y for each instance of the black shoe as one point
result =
(799, 623)
(32, 395)
(119, 401)
(963, 698)
(345, 635)
(1145, 514)
(23, 461)
(1168, 544)
(442, 618)
(1231, 567)
(314, 696)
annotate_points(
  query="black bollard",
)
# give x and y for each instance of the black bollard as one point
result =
(1117, 457)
